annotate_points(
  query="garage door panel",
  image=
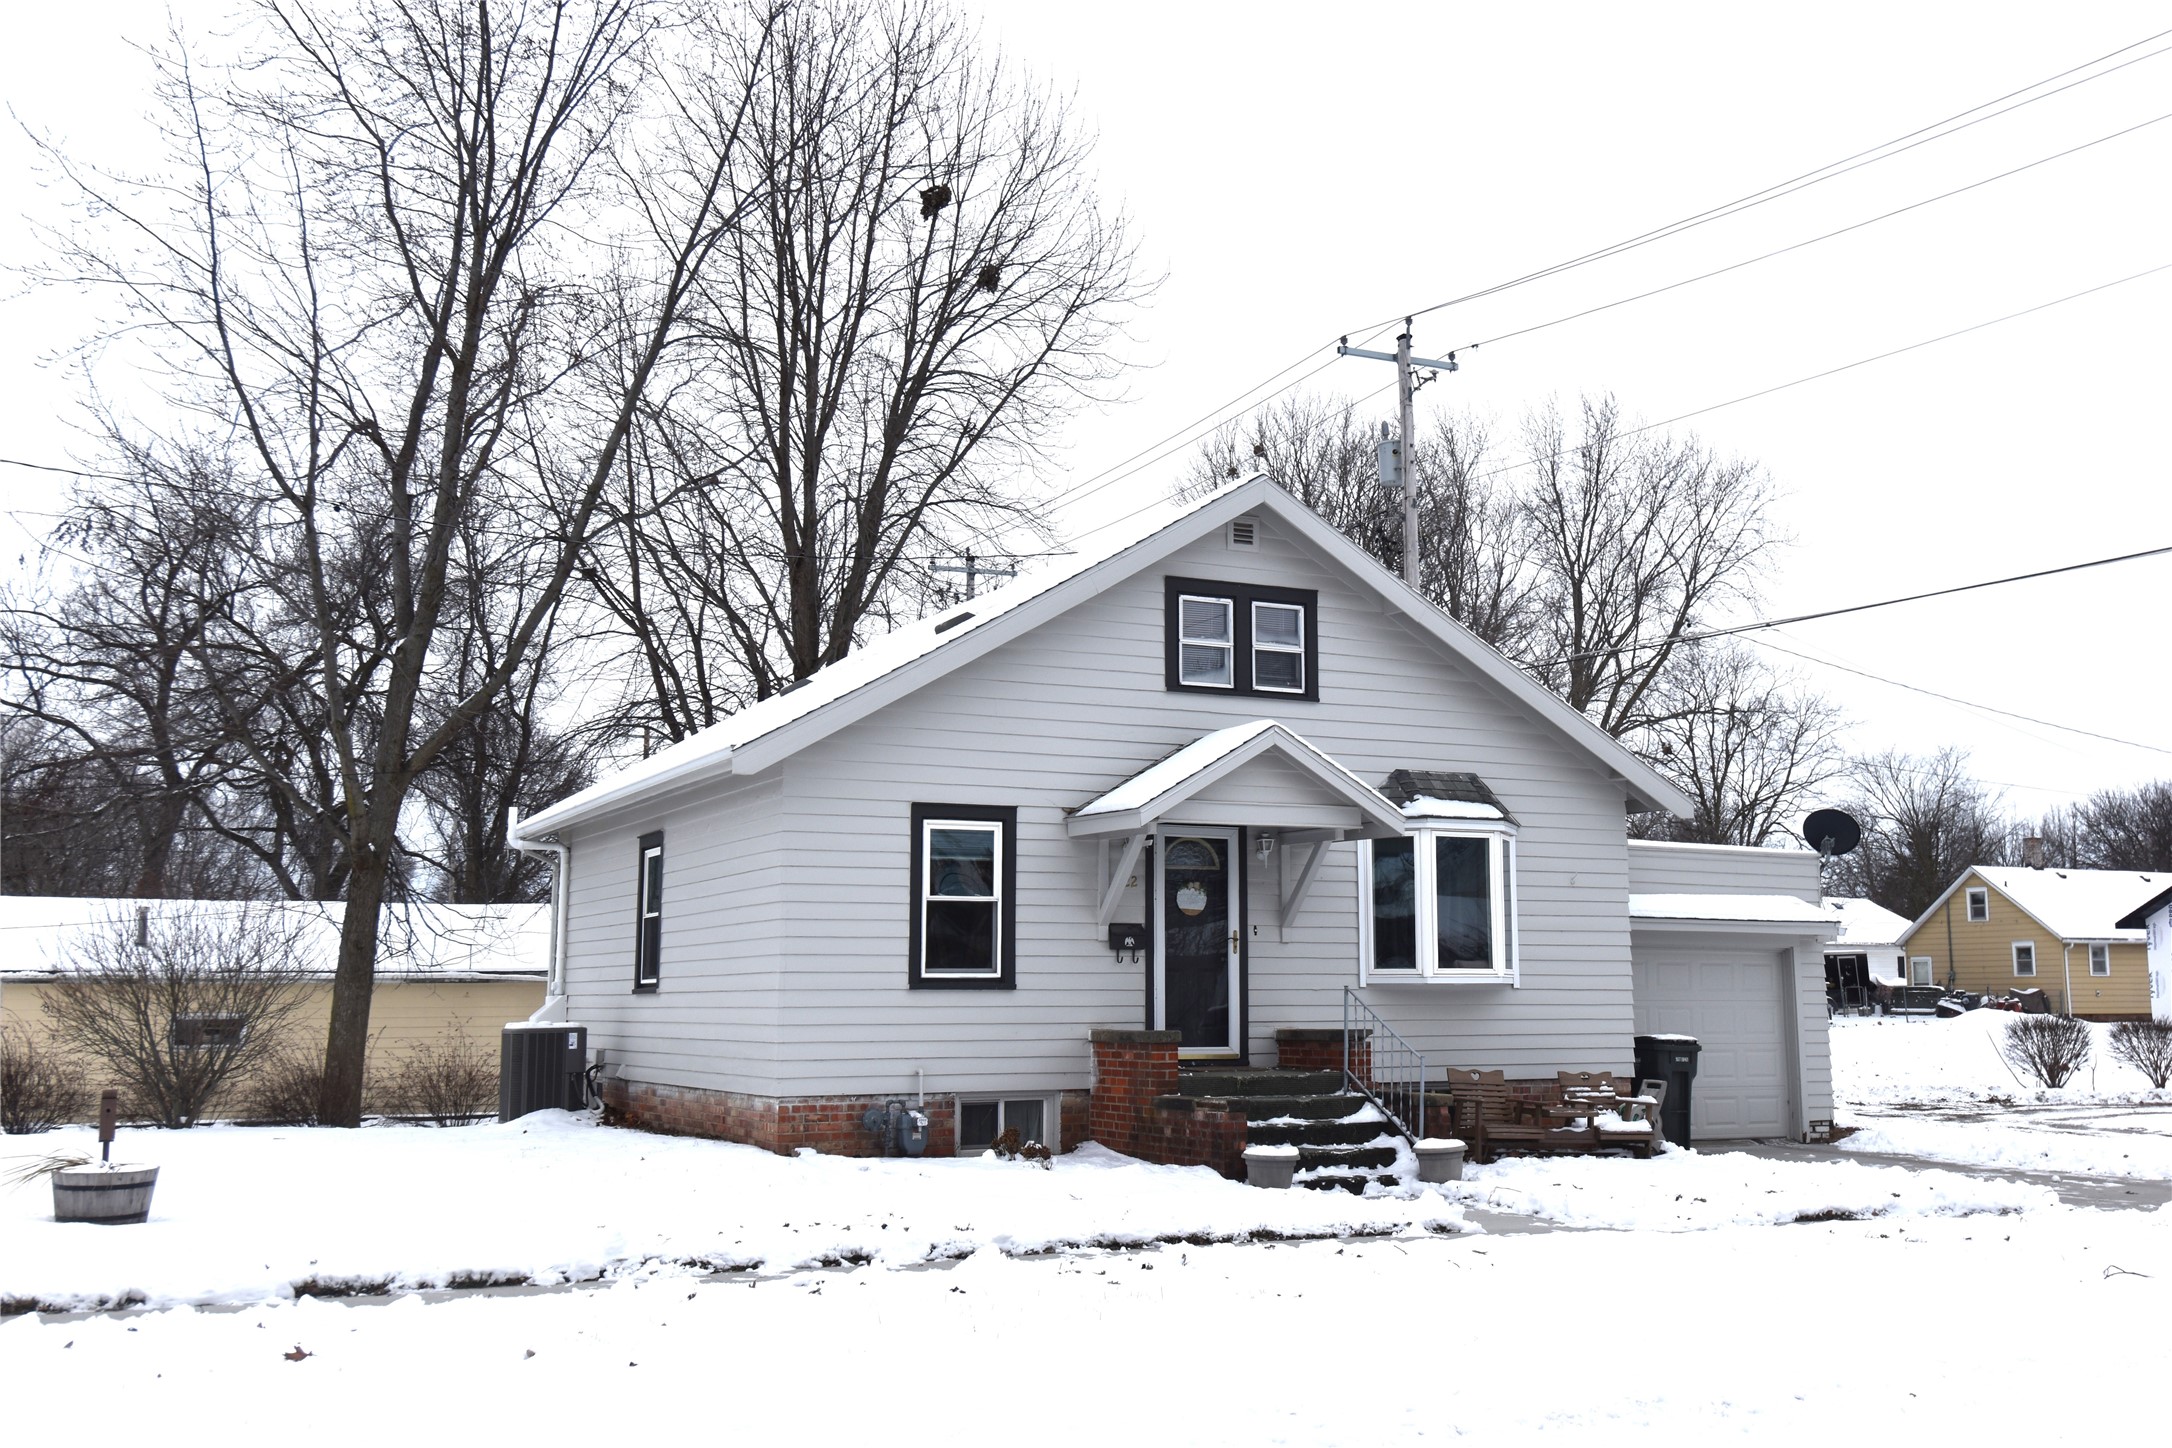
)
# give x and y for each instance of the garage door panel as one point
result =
(1733, 1005)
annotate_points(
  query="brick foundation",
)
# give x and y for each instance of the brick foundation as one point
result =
(1136, 1109)
(784, 1124)
(1320, 1049)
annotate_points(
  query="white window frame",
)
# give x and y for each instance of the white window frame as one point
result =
(1501, 869)
(994, 897)
(1051, 1118)
(1258, 648)
(2100, 953)
(1928, 966)
(2030, 947)
(1978, 895)
(1227, 644)
(648, 966)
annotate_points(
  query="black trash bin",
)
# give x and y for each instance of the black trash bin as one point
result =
(541, 1066)
(1672, 1059)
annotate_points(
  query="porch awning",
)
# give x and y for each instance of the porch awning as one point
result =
(1258, 774)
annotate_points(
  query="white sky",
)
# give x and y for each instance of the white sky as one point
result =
(1301, 171)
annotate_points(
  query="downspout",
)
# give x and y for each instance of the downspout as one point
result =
(554, 988)
(2066, 965)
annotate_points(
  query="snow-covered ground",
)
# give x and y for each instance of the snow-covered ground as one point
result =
(1834, 1332)
(1940, 1089)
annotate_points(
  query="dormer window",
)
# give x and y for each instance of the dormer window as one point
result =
(1242, 638)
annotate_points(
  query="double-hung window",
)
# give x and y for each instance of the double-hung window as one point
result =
(2024, 957)
(649, 913)
(1242, 638)
(964, 889)
(197, 1031)
(2100, 960)
(1979, 905)
(1438, 904)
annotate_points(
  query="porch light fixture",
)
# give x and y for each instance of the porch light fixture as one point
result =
(1265, 848)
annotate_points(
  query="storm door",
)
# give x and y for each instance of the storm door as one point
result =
(1197, 977)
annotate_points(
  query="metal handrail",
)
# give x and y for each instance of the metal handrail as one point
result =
(1394, 1074)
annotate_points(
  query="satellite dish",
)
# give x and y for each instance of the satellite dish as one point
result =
(1831, 832)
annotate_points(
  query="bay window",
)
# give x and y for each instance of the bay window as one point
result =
(1439, 904)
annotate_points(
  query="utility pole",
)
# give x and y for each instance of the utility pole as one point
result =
(1405, 474)
(974, 568)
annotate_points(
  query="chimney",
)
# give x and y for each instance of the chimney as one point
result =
(2032, 852)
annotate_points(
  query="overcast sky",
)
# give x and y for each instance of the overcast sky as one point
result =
(1302, 171)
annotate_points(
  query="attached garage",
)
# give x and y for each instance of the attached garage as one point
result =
(1734, 1002)
(1742, 969)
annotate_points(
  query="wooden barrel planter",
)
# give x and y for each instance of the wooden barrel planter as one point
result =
(113, 1195)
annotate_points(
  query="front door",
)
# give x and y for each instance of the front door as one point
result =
(1196, 975)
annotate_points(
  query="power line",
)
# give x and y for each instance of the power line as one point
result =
(1964, 703)
(1812, 241)
(1885, 150)
(1742, 628)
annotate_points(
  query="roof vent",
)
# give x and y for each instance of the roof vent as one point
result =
(953, 621)
(1244, 533)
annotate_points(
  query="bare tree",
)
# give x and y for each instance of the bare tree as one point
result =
(1470, 558)
(2113, 829)
(925, 285)
(426, 261)
(2147, 1047)
(180, 1011)
(39, 1087)
(1634, 538)
(1750, 747)
(1925, 820)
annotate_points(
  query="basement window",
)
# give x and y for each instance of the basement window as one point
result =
(200, 1032)
(2100, 960)
(1979, 905)
(982, 1123)
(1438, 905)
(2024, 957)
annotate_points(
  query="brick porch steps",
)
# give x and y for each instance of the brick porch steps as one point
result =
(1308, 1110)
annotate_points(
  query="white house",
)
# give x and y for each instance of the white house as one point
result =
(2153, 917)
(1199, 796)
(1867, 953)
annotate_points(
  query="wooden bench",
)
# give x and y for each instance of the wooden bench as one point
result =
(1484, 1115)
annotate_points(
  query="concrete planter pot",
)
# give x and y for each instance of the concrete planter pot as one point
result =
(115, 1195)
(1440, 1159)
(1270, 1166)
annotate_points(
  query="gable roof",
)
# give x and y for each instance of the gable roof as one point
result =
(2071, 904)
(1864, 922)
(1159, 787)
(888, 668)
(2138, 917)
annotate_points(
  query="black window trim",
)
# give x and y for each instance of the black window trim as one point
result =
(1241, 597)
(1005, 817)
(648, 956)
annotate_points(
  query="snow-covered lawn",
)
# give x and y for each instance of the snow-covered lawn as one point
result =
(1940, 1089)
(1850, 1332)
(244, 1214)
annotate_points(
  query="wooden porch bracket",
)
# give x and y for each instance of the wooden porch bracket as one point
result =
(1127, 860)
(1293, 893)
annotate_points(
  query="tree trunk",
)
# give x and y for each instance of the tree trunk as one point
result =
(346, 1050)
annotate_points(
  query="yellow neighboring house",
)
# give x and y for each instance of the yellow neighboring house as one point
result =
(2000, 928)
(443, 969)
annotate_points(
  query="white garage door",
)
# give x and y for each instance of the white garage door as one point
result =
(1731, 1002)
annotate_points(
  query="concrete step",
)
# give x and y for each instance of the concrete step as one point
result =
(1258, 1082)
(1312, 1108)
(1345, 1181)
(1340, 1157)
(1316, 1132)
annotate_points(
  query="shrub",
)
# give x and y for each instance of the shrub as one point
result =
(39, 1088)
(182, 1005)
(285, 1089)
(2147, 1047)
(2050, 1048)
(451, 1080)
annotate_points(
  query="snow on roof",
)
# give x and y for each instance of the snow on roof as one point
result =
(1762, 909)
(1158, 782)
(428, 941)
(1865, 922)
(1424, 808)
(2075, 904)
(873, 660)
(1444, 795)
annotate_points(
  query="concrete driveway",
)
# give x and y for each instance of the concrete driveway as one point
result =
(2074, 1189)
